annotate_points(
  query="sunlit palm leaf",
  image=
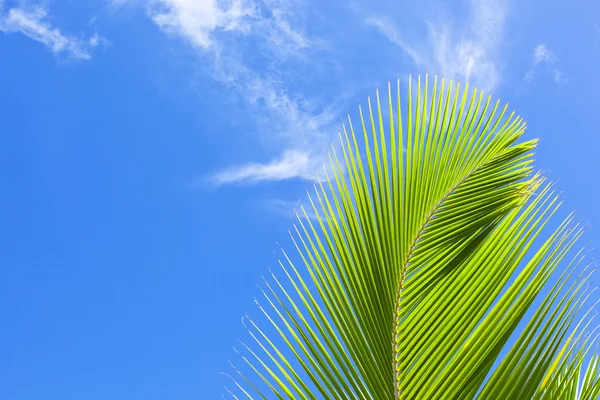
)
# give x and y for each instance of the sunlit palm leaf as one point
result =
(425, 255)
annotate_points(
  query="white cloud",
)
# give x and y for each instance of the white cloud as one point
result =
(386, 29)
(293, 164)
(98, 41)
(114, 4)
(290, 121)
(466, 51)
(196, 20)
(34, 23)
(290, 209)
(223, 33)
(281, 35)
(541, 56)
(202, 21)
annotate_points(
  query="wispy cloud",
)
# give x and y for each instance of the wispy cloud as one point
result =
(293, 164)
(35, 23)
(387, 29)
(232, 35)
(541, 56)
(290, 208)
(196, 20)
(468, 50)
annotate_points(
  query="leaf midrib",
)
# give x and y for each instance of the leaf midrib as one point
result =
(408, 258)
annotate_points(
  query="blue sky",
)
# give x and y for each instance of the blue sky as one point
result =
(152, 151)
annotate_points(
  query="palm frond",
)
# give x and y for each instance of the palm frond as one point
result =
(429, 247)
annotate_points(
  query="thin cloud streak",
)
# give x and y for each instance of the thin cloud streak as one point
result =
(289, 120)
(34, 23)
(387, 29)
(291, 209)
(293, 164)
(467, 51)
(540, 57)
(217, 31)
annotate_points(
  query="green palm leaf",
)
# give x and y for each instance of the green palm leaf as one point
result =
(426, 254)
